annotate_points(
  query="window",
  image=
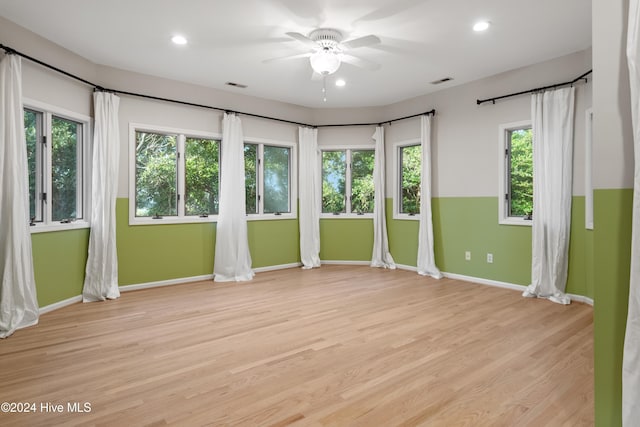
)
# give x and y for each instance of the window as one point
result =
(177, 175)
(156, 174)
(268, 184)
(347, 172)
(56, 150)
(516, 176)
(202, 176)
(407, 172)
(410, 173)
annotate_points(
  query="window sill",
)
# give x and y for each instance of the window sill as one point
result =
(271, 217)
(516, 221)
(57, 226)
(172, 220)
(405, 217)
(198, 220)
(346, 216)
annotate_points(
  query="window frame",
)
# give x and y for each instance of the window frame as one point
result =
(348, 149)
(181, 137)
(397, 181)
(503, 174)
(293, 179)
(44, 166)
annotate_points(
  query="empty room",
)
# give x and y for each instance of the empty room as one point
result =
(320, 213)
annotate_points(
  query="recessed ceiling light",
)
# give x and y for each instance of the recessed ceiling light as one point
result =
(481, 26)
(179, 40)
(340, 82)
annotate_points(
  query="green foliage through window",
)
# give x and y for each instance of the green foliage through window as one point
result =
(33, 133)
(60, 185)
(411, 161)
(66, 136)
(334, 175)
(156, 174)
(202, 176)
(362, 192)
(347, 181)
(276, 179)
(520, 172)
(251, 177)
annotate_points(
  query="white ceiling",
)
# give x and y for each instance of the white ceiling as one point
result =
(422, 41)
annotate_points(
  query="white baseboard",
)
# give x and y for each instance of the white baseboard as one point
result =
(512, 286)
(343, 262)
(488, 282)
(581, 298)
(60, 304)
(496, 283)
(407, 267)
(478, 280)
(277, 267)
(169, 282)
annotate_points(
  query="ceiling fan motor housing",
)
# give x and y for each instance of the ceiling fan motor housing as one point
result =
(328, 38)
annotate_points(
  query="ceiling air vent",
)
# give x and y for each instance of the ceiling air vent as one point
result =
(437, 82)
(241, 86)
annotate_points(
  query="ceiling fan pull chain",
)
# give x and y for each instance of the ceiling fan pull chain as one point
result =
(324, 87)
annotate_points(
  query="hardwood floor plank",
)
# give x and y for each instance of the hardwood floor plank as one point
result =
(334, 346)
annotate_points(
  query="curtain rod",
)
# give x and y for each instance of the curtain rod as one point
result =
(96, 87)
(426, 113)
(538, 89)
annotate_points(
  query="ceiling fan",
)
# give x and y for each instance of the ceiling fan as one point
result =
(328, 51)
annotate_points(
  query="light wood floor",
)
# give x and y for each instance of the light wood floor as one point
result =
(342, 346)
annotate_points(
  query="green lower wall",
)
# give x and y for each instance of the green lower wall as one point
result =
(171, 251)
(610, 267)
(274, 242)
(59, 260)
(346, 239)
(463, 224)
(150, 253)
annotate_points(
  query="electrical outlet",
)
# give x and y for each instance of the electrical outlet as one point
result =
(467, 255)
(490, 258)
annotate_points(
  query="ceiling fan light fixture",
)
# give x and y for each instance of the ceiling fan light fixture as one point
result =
(481, 26)
(179, 40)
(325, 62)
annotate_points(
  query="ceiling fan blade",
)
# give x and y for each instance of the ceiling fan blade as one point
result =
(359, 62)
(361, 42)
(286, 58)
(303, 39)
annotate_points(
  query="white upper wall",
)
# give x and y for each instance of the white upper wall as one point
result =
(465, 143)
(465, 137)
(612, 132)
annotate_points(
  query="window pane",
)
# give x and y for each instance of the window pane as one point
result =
(521, 172)
(334, 171)
(66, 135)
(276, 179)
(156, 171)
(362, 181)
(33, 133)
(202, 176)
(411, 160)
(250, 177)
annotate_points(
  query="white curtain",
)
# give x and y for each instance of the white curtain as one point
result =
(426, 258)
(381, 256)
(552, 117)
(232, 258)
(309, 197)
(631, 355)
(101, 273)
(18, 303)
